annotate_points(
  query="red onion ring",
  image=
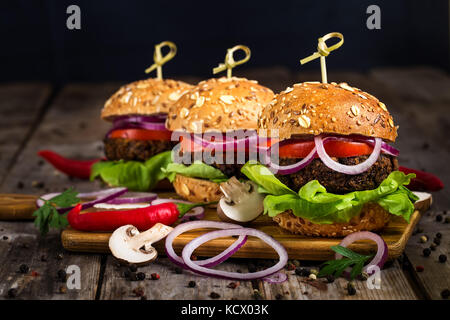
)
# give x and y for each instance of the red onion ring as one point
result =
(100, 197)
(136, 118)
(292, 168)
(197, 212)
(227, 144)
(194, 244)
(211, 262)
(134, 197)
(278, 277)
(382, 251)
(356, 169)
(138, 122)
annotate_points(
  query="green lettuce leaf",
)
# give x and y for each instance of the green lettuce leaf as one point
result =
(134, 175)
(196, 170)
(314, 203)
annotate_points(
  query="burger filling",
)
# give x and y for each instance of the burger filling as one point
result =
(138, 150)
(329, 179)
(337, 182)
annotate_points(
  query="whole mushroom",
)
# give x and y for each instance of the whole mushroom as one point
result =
(131, 246)
(241, 204)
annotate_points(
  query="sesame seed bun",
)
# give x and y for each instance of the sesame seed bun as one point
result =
(371, 218)
(312, 108)
(144, 97)
(219, 105)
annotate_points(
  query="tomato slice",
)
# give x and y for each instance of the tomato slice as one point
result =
(334, 148)
(141, 134)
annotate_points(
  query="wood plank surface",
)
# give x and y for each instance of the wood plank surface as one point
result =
(20, 106)
(20, 244)
(172, 285)
(72, 127)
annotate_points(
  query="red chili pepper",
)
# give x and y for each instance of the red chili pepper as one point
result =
(142, 218)
(423, 180)
(74, 168)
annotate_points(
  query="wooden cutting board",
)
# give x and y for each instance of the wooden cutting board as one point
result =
(17, 206)
(396, 235)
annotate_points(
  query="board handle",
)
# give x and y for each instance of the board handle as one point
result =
(17, 206)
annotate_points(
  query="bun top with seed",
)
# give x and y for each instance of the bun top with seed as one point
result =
(312, 108)
(219, 105)
(144, 97)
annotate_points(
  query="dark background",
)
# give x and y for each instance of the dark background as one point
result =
(117, 38)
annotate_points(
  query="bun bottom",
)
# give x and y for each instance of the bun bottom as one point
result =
(372, 218)
(196, 190)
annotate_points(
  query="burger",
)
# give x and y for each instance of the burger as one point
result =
(218, 117)
(330, 170)
(138, 143)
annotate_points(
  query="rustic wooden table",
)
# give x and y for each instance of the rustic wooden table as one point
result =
(38, 116)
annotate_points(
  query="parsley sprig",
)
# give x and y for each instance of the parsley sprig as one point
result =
(337, 267)
(48, 216)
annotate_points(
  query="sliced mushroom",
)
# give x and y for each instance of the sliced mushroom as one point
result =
(241, 204)
(424, 202)
(129, 245)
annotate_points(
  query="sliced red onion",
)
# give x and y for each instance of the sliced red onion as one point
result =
(227, 143)
(278, 277)
(356, 169)
(197, 242)
(382, 251)
(139, 122)
(136, 118)
(385, 147)
(211, 262)
(292, 168)
(99, 196)
(134, 197)
(196, 213)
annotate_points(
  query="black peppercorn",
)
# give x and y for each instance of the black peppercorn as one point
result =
(24, 268)
(439, 218)
(62, 275)
(351, 289)
(445, 294)
(437, 241)
(192, 284)
(140, 275)
(304, 272)
(439, 235)
(214, 295)
(442, 258)
(426, 252)
(178, 270)
(133, 276)
(12, 293)
(330, 278)
(279, 296)
(132, 268)
(126, 274)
